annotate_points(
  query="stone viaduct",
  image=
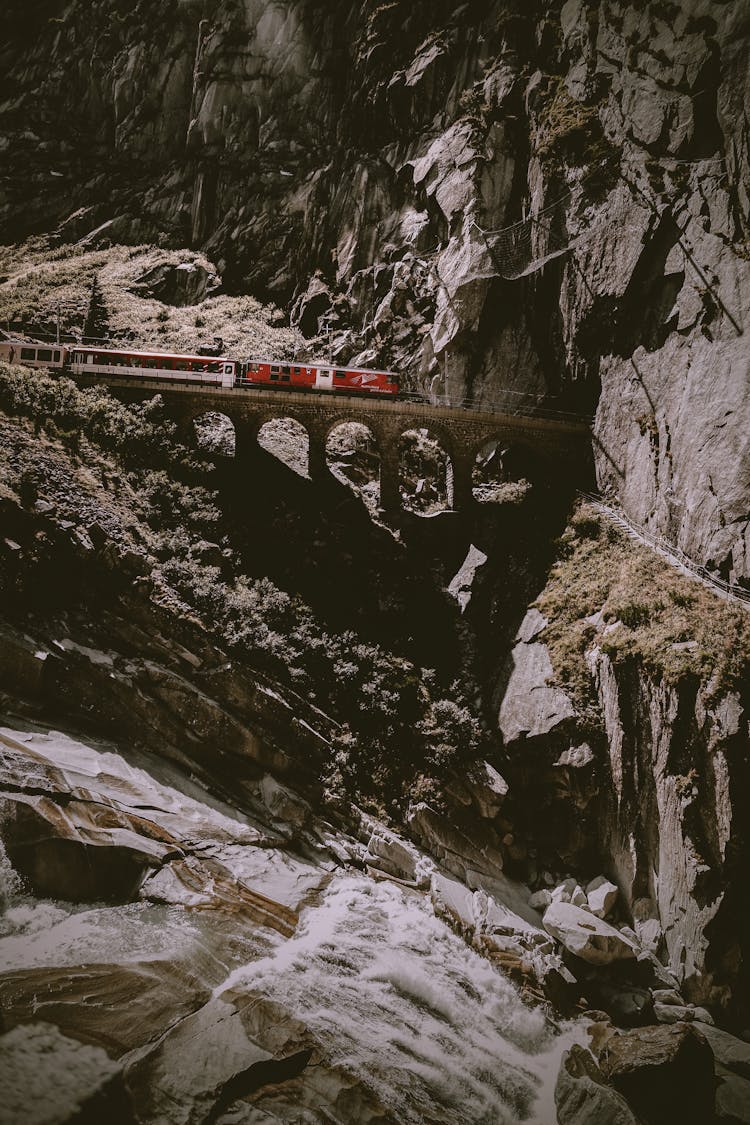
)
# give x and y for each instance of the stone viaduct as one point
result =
(557, 442)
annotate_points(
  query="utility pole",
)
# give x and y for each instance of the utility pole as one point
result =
(58, 323)
(326, 330)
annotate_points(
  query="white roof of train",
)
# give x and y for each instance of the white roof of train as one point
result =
(150, 354)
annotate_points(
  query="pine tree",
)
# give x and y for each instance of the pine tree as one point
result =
(96, 326)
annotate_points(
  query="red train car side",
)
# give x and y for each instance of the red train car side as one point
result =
(318, 377)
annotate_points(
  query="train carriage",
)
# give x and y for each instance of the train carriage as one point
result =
(215, 371)
(318, 376)
(31, 354)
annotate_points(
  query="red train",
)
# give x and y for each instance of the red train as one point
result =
(216, 371)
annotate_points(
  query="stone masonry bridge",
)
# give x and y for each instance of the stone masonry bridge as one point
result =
(555, 442)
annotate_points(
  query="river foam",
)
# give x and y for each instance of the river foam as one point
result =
(402, 1002)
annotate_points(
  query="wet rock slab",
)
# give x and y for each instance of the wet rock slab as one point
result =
(248, 978)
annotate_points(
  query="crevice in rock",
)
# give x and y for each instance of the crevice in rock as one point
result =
(266, 1073)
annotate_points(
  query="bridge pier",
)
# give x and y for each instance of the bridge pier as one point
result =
(317, 463)
(461, 488)
(245, 444)
(185, 429)
(390, 483)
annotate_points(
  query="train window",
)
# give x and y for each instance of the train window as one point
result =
(228, 368)
(296, 371)
(274, 375)
(285, 378)
(45, 354)
(340, 374)
(28, 353)
(285, 370)
(181, 365)
(56, 357)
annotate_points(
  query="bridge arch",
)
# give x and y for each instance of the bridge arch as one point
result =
(354, 456)
(502, 461)
(426, 470)
(286, 438)
(214, 432)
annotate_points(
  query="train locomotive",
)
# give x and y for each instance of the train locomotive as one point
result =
(213, 371)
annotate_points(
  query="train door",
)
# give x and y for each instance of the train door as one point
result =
(227, 375)
(324, 379)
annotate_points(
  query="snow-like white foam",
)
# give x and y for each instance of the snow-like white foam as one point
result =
(402, 1002)
(136, 932)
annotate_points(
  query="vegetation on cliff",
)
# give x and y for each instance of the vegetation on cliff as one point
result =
(607, 589)
(154, 298)
(399, 723)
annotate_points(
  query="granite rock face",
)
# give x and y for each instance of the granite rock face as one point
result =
(675, 771)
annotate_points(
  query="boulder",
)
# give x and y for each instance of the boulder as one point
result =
(181, 285)
(667, 996)
(582, 1096)
(729, 1052)
(558, 984)
(732, 1100)
(48, 1078)
(601, 896)
(666, 1073)
(540, 900)
(628, 1004)
(676, 1013)
(83, 852)
(389, 854)
(530, 707)
(587, 936)
(487, 788)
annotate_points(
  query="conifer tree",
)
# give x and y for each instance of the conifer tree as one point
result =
(96, 325)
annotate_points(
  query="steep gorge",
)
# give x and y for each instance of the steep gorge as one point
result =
(366, 163)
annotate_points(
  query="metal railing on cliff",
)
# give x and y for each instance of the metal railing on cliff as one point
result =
(524, 247)
(518, 404)
(729, 591)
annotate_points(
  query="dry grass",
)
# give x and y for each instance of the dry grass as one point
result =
(647, 609)
(36, 279)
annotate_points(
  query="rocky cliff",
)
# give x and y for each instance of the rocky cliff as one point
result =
(357, 158)
(501, 200)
